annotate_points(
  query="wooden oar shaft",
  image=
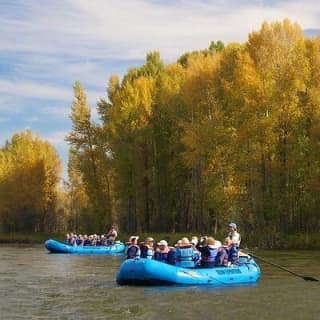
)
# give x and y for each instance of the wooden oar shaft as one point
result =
(276, 265)
(307, 278)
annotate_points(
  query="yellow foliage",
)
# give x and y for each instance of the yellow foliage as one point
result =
(32, 172)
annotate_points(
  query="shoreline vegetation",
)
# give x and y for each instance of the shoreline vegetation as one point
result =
(288, 242)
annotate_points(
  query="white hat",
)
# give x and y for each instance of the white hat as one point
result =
(163, 243)
(185, 240)
(217, 244)
(194, 241)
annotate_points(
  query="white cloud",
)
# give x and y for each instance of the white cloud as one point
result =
(59, 42)
(42, 91)
(127, 29)
(35, 90)
(57, 138)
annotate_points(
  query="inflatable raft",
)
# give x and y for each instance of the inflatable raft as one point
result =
(59, 247)
(152, 272)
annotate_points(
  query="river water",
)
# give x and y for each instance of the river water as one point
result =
(37, 285)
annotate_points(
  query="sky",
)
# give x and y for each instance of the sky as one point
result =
(45, 46)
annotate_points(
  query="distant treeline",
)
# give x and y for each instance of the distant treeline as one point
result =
(226, 133)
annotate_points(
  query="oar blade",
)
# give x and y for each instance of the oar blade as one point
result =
(307, 278)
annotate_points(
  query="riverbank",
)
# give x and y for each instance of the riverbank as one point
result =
(279, 241)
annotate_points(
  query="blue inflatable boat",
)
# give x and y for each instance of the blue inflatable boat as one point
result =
(152, 272)
(59, 247)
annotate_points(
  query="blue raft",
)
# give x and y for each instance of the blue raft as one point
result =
(58, 247)
(152, 272)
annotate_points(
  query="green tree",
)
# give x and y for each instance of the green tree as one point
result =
(92, 162)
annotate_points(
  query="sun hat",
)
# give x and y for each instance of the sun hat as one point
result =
(185, 240)
(194, 240)
(212, 243)
(149, 239)
(162, 243)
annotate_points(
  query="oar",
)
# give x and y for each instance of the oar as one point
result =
(307, 278)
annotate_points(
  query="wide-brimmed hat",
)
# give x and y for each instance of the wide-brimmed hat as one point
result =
(132, 238)
(162, 243)
(194, 240)
(211, 241)
(185, 240)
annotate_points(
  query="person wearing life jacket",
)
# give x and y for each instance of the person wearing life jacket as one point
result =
(73, 240)
(79, 240)
(232, 251)
(147, 248)
(67, 238)
(112, 235)
(186, 254)
(195, 241)
(162, 251)
(133, 250)
(210, 252)
(86, 241)
(234, 235)
(171, 258)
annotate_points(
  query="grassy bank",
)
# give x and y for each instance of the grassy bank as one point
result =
(281, 241)
(35, 238)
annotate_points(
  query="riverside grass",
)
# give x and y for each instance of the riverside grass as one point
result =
(283, 241)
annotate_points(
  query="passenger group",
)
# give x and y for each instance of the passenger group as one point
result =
(93, 239)
(206, 252)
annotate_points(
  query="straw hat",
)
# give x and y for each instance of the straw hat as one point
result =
(211, 241)
(185, 240)
(162, 243)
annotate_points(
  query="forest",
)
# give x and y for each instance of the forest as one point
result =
(227, 133)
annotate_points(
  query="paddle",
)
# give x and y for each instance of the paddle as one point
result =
(307, 278)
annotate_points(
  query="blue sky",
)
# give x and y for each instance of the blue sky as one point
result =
(45, 46)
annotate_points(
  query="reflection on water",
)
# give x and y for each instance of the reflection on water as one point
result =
(38, 285)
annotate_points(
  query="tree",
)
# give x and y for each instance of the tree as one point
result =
(92, 162)
(30, 172)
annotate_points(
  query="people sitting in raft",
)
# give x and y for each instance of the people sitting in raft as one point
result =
(147, 248)
(210, 253)
(103, 240)
(187, 255)
(171, 258)
(86, 241)
(83, 240)
(202, 243)
(67, 238)
(79, 240)
(164, 253)
(73, 239)
(195, 241)
(232, 253)
(133, 250)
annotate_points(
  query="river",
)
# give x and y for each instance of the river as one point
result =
(37, 285)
